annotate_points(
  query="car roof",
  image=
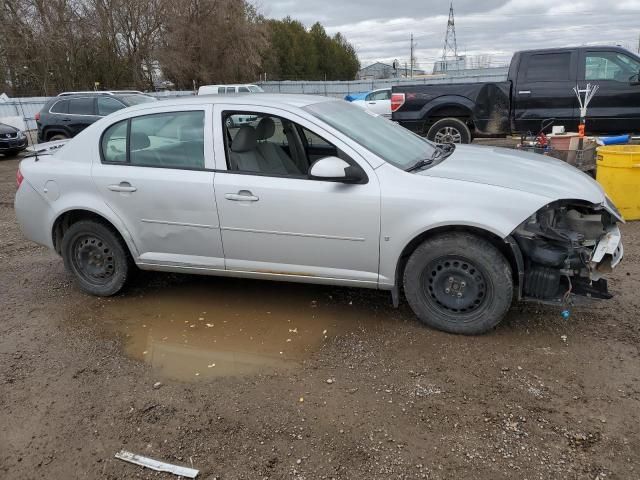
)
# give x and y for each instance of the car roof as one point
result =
(261, 99)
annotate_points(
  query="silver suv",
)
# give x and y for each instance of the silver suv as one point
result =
(317, 190)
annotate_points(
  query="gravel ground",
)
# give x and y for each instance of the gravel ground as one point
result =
(538, 398)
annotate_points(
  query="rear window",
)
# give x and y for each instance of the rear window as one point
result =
(81, 106)
(60, 107)
(549, 67)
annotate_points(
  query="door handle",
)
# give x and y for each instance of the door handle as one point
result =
(372, 103)
(524, 92)
(122, 187)
(241, 196)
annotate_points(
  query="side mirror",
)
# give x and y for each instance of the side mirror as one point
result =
(334, 169)
(634, 79)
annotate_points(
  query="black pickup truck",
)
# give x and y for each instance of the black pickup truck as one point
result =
(539, 86)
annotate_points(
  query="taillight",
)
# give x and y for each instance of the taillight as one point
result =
(37, 117)
(19, 178)
(397, 100)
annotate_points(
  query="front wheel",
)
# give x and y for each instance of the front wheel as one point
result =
(97, 257)
(449, 130)
(458, 283)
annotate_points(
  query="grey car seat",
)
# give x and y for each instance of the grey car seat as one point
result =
(244, 152)
(276, 159)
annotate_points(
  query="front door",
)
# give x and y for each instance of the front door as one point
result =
(544, 90)
(615, 108)
(157, 176)
(277, 221)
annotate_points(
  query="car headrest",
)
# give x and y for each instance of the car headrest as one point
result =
(266, 128)
(139, 140)
(245, 140)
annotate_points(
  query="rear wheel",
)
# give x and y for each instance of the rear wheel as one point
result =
(57, 136)
(97, 257)
(459, 283)
(449, 130)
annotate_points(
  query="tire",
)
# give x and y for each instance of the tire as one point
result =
(449, 130)
(57, 136)
(97, 257)
(458, 283)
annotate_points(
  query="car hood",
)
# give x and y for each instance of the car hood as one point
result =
(7, 129)
(518, 170)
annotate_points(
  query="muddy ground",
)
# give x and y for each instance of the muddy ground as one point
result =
(252, 380)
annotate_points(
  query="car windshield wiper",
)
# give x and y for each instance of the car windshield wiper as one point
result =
(419, 164)
(440, 151)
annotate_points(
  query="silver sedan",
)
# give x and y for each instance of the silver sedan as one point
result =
(316, 190)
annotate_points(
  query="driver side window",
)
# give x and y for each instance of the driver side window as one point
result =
(264, 144)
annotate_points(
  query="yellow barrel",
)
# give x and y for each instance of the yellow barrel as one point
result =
(618, 172)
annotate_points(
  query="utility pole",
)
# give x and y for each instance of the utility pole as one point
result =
(411, 56)
(639, 43)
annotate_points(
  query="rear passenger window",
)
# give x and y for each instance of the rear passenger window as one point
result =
(170, 140)
(81, 106)
(114, 143)
(107, 105)
(60, 107)
(549, 67)
(220, 89)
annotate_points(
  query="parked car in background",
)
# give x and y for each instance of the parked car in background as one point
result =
(378, 101)
(319, 191)
(69, 113)
(229, 89)
(539, 86)
(12, 140)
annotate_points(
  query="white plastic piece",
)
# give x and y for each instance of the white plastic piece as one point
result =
(558, 129)
(156, 465)
(609, 244)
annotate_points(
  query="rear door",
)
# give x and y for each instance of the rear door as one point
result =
(156, 174)
(615, 108)
(544, 90)
(380, 102)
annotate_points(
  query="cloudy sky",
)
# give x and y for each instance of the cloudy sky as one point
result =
(380, 29)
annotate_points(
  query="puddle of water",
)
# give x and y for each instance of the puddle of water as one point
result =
(219, 327)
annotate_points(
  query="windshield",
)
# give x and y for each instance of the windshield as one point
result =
(137, 99)
(255, 89)
(386, 139)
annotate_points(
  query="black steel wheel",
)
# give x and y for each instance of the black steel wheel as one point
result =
(97, 257)
(455, 284)
(458, 283)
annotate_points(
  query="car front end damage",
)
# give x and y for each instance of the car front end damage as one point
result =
(565, 249)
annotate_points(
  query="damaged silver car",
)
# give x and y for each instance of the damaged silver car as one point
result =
(316, 190)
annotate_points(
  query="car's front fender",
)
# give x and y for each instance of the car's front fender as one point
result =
(413, 205)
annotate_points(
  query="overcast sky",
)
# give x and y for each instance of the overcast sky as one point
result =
(380, 29)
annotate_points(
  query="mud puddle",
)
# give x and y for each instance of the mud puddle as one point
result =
(220, 327)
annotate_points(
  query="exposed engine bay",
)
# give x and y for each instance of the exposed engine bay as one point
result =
(566, 249)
